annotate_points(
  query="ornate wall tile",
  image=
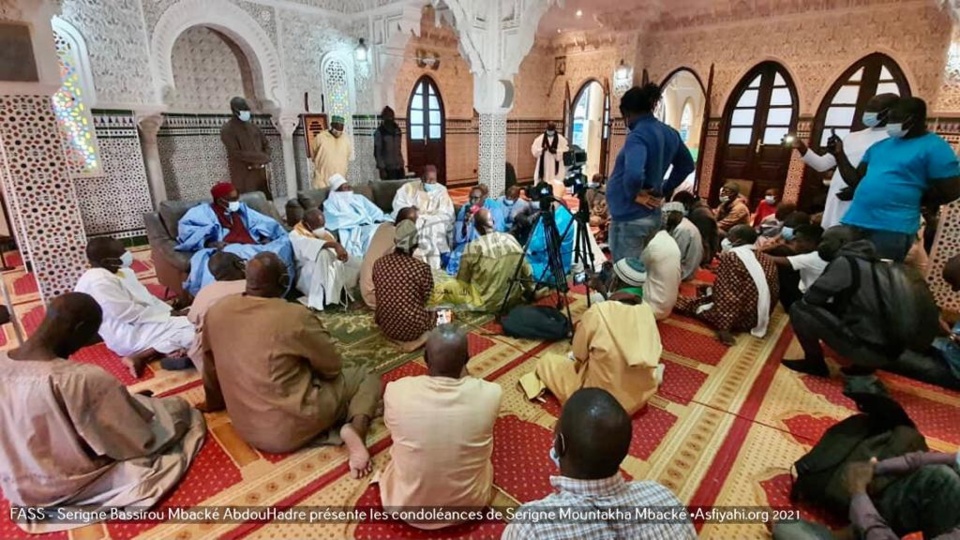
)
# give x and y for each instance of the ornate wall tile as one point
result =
(116, 43)
(304, 40)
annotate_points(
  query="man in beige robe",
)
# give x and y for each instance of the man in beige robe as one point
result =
(274, 368)
(326, 273)
(381, 244)
(71, 435)
(228, 269)
(435, 213)
(442, 429)
(332, 153)
(616, 347)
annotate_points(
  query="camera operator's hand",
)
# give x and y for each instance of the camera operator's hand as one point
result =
(800, 146)
(836, 146)
(647, 199)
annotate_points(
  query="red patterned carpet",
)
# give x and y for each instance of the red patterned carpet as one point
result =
(723, 430)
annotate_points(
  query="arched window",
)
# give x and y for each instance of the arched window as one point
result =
(842, 108)
(425, 128)
(337, 86)
(70, 102)
(686, 121)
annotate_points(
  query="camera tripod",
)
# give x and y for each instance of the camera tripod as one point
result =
(555, 275)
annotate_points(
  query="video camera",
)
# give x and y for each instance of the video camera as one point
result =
(574, 160)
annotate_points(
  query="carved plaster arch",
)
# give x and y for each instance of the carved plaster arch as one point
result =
(905, 68)
(230, 20)
(747, 68)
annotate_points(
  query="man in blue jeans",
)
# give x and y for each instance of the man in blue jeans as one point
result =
(637, 187)
(898, 176)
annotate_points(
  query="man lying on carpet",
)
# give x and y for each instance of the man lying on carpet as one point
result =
(74, 436)
(925, 499)
(591, 439)
(745, 292)
(849, 320)
(381, 244)
(616, 347)
(404, 285)
(326, 272)
(441, 424)
(227, 224)
(282, 393)
(136, 324)
(230, 272)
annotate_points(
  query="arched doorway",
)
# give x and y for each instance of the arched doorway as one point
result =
(760, 112)
(588, 129)
(682, 107)
(425, 129)
(842, 108)
(205, 84)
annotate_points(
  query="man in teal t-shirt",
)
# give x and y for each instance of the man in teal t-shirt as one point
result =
(898, 176)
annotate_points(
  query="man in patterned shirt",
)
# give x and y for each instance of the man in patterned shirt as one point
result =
(404, 284)
(591, 439)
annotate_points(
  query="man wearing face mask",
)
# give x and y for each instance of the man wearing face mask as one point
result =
(229, 225)
(548, 148)
(898, 176)
(852, 149)
(136, 325)
(332, 153)
(248, 153)
(732, 210)
(436, 215)
(464, 229)
(326, 273)
(513, 205)
(745, 293)
(687, 236)
(591, 440)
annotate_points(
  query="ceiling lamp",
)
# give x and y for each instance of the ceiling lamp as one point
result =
(361, 51)
(622, 73)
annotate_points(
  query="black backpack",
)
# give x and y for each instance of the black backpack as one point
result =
(908, 312)
(884, 432)
(536, 322)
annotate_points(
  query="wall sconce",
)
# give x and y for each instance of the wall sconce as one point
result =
(361, 52)
(622, 73)
(427, 59)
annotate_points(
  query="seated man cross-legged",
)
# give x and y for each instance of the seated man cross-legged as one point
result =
(381, 244)
(230, 272)
(436, 215)
(283, 392)
(353, 216)
(403, 285)
(73, 436)
(229, 225)
(136, 324)
(745, 293)
(490, 262)
(441, 424)
(327, 273)
(591, 440)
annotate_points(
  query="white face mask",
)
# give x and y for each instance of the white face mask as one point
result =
(233, 206)
(896, 131)
(554, 457)
(724, 199)
(871, 119)
(429, 188)
(336, 132)
(770, 199)
(244, 116)
(126, 260)
(320, 233)
(551, 133)
(726, 245)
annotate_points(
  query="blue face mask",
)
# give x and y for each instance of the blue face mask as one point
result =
(896, 131)
(787, 233)
(508, 202)
(871, 119)
(244, 116)
(429, 188)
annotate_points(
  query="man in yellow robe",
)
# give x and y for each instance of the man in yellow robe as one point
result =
(332, 153)
(616, 347)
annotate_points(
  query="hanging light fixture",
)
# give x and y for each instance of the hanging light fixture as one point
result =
(623, 72)
(361, 51)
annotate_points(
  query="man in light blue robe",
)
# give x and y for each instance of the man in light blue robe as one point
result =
(464, 231)
(537, 253)
(229, 225)
(353, 217)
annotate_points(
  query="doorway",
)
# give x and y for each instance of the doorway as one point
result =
(426, 129)
(761, 111)
(589, 112)
(682, 107)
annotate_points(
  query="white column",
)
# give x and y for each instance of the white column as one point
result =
(286, 124)
(149, 124)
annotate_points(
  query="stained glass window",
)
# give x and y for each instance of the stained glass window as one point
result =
(73, 116)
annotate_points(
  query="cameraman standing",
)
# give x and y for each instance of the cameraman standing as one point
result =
(853, 147)
(637, 187)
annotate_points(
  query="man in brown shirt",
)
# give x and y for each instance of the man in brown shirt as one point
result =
(228, 270)
(274, 368)
(248, 153)
(732, 210)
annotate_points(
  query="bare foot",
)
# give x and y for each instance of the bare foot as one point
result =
(359, 461)
(135, 366)
(410, 346)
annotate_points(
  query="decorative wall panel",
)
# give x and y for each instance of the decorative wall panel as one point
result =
(304, 40)
(36, 180)
(493, 152)
(113, 202)
(364, 168)
(208, 70)
(194, 159)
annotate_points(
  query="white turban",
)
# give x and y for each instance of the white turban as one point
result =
(675, 207)
(336, 181)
